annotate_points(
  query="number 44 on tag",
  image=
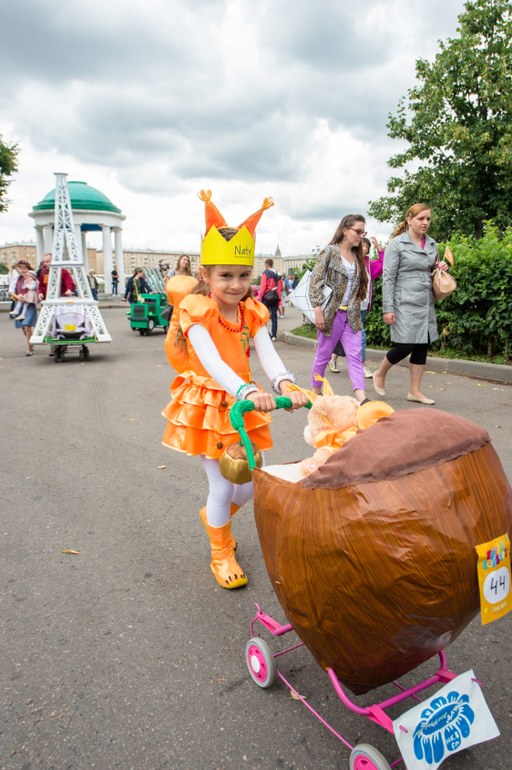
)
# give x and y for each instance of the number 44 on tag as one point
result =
(494, 578)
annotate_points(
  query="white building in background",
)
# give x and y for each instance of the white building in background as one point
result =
(150, 257)
(92, 211)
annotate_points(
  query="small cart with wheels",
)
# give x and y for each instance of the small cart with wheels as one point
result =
(150, 311)
(372, 558)
(70, 332)
(146, 314)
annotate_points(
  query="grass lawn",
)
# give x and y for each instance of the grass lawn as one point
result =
(308, 330)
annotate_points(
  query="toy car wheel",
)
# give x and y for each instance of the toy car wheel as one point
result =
(260, 662)
(365, 757)
(142, 332)
(87, 355)
(151, 325)
(81, 356)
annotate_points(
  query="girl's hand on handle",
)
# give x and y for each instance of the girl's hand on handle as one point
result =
(442, 265)
(263, 402)
(389, 318)
(297, 398)
(319, 319)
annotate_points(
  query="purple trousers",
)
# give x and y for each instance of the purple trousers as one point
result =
(352, 346)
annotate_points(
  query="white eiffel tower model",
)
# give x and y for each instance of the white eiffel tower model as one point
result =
(65, 255)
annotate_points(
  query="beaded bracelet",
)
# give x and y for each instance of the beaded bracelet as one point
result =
(279, 378)
(244, 390)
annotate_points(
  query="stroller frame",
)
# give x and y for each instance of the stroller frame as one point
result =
(261, 665)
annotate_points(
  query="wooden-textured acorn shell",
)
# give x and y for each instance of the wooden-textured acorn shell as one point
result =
(372, 557)
(234, 465)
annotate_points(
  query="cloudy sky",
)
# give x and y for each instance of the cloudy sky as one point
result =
(151, 100)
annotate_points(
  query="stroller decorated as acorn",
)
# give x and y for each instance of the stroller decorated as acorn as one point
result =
(380, 559)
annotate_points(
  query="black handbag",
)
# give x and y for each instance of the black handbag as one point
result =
(271, 298)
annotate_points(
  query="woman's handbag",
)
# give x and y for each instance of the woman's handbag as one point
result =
(443, 284)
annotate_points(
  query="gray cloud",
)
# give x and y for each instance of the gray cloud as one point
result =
(165, 92)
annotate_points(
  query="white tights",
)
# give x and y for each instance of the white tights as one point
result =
(223, 493)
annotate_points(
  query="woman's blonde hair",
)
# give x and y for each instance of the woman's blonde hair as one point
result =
(339, 235)
(413, 212)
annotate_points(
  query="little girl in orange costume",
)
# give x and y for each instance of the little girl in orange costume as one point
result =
(208, 345)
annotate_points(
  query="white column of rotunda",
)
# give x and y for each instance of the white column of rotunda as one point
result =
(92, 211)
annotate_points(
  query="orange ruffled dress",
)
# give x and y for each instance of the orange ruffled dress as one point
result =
(198, 413)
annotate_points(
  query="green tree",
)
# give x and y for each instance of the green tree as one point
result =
(8, 166)
(460, 129)
(3, 268)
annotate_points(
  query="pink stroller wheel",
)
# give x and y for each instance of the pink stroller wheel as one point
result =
(260, 662)
(365, 757)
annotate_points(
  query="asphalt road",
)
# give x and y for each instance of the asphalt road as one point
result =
(128, 655)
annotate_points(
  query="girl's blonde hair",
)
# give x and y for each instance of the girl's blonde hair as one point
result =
(413, 212)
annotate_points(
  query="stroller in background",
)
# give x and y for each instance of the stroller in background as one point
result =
(71, 328)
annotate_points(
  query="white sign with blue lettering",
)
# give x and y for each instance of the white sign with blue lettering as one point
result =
(453, 719)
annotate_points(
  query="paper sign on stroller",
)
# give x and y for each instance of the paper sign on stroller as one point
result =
(494, 578)
(453, 719)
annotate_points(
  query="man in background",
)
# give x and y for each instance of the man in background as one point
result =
(67, 285)
(271, 288)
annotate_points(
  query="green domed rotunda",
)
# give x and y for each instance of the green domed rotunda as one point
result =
(92, 211)
(83, 198)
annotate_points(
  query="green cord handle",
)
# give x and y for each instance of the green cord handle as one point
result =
(236, 416)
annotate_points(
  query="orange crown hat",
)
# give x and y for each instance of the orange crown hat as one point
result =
(215, 250)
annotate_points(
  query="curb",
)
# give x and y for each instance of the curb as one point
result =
(103, 305)
(477, 370)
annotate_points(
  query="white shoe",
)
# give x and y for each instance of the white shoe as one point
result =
(367, 373)
(20, 318)
(379, 391)
(332, 367)
(424, 400)
(274, 339)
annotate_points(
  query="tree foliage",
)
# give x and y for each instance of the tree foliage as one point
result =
(458, 124)
(477, 318)
(8, 166)
(3, 268)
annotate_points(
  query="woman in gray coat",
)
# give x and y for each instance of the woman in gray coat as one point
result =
(408, 300)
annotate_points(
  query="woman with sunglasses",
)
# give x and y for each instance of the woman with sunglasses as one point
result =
(341, 267)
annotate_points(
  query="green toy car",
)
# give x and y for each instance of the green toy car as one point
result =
(146, 314)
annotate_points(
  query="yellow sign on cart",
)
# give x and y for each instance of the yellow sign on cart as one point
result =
(494, 578)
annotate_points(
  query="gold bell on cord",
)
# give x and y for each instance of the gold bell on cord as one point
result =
(234, 464)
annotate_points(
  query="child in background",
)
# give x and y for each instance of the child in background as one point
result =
(28, 292)
(211, 354)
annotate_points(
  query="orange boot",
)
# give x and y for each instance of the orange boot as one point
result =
(224, 566)
(204, 521)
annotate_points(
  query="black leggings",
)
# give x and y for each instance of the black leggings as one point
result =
(401, 350)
